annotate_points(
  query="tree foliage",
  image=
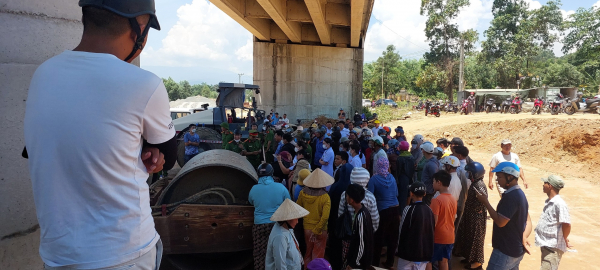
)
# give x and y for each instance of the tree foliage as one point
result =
(445, 40)
(516, 35)
(184, 89)
(583, 37)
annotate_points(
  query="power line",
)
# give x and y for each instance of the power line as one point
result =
(397, 33)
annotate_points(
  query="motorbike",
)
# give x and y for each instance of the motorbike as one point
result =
(538, 104)
(434, 109)
(419, 106)
(505, 105)
(591, 105)
(465, 107)
(556, 105)
(490, 106)
(515, 107)
(451, 107)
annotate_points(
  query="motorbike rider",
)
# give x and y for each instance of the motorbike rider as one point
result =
(471, 100)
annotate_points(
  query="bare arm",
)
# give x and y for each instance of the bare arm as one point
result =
(526, 234)
(491, 183)
(498, 219)
(522, 174)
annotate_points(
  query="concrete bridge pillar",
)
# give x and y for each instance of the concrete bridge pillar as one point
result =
(305, 81)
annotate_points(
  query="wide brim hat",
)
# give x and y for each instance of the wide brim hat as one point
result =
(289, 210)
(318, 179)
(302, 174)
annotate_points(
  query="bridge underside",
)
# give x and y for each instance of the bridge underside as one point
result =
(308, 54)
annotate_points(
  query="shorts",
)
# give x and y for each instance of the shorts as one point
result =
(441, 251)
(550, 258)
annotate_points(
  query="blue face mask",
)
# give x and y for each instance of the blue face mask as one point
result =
(325, 146)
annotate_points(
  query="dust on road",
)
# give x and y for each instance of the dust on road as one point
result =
(580, 194)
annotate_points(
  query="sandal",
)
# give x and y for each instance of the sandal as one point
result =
(480, 267)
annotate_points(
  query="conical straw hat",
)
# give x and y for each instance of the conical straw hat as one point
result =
(289, 210)
(318, 179)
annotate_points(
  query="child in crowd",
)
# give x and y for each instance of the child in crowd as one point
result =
(361, 244)
(444, 212)
(415, 248)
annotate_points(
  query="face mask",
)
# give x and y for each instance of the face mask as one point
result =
(264, 128)
(237, 141)
(341, 149)
(193, 130)
(324, 146)
(296, 149)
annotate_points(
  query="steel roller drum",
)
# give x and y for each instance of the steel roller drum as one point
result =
(212, 169)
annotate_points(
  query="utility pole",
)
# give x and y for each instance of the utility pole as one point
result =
(240, 76)
(382, 69)
(461, 74)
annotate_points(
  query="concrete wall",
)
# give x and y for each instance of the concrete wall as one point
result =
(305, 81)
(32, 31)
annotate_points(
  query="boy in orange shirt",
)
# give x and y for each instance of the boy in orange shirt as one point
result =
(444, 211)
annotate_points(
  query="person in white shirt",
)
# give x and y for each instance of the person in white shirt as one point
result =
(343, 130)
(89, 170)
(329, 130)
(285, 119)
(354, 159)
(554, 227)
(502, 156)
(376, 128)
(450, 165)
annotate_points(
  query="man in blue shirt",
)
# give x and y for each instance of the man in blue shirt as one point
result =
(192, 141)
(279, 140)
(318, 146)
(512, 224)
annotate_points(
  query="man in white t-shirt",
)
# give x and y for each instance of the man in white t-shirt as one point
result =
(285, 119)
(343, 130)
(450, 164)
(502, 156)
(89, 170)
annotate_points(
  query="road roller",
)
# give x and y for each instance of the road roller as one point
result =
(203, 215)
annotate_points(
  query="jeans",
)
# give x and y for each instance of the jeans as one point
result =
(501, 261)
(188, 157)
(148, 261)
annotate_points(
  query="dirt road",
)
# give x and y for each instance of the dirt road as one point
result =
(581, 195)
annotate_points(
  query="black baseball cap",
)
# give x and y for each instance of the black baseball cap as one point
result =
(418, 189)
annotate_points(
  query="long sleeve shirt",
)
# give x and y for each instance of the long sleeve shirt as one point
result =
(319, 207)
(282, 250)
(361, 242)
(368, 202)
(431, 167)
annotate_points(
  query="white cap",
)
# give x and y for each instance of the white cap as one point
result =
(451, 160)
(427, 147)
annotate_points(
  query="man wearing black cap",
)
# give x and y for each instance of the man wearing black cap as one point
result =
(89, 172)
(458, 141)
(415, 247)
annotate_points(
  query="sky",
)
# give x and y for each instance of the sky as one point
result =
(200, 43)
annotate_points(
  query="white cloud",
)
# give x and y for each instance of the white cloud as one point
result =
(404, 27)
(533, 4)
(203, 36)
(597, 5)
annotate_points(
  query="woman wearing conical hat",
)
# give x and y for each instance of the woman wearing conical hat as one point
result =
(315, 199)
(283, 251)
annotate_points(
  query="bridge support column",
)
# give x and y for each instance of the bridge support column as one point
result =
(305, 81)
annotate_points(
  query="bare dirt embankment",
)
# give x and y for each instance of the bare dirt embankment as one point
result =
(574, 145)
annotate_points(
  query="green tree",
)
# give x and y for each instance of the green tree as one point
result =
(172, 88)
(445, 40)
(583, 36)
(516, 35)
(563, 74)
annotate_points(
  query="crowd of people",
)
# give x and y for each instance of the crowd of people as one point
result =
(360, 197)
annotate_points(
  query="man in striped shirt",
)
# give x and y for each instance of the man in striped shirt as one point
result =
(554, 227)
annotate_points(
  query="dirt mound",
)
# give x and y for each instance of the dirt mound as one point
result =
(570, 145)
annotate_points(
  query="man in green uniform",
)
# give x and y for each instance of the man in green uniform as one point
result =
(252, 149)
(226, 135)
(268, 142)
(235, 144)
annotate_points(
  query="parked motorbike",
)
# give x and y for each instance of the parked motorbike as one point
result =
(464, 109)
(556, 105)
(538, 104)
(489, 105)
(515, 107)
(451, 107)
(434, 109)
(591, 105)
(505, 105)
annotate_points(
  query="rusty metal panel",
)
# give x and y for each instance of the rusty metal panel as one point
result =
(193, 228)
